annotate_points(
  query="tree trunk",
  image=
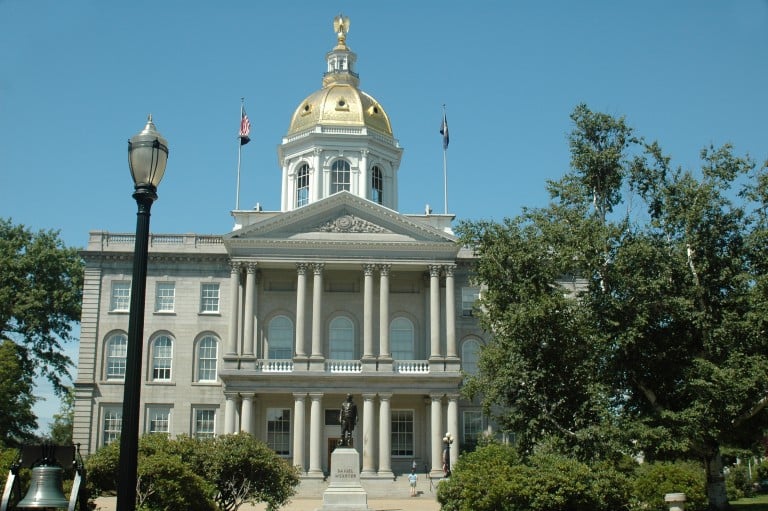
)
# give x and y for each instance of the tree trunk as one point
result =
(718, 499)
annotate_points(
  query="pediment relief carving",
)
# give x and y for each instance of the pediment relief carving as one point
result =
(350, 223)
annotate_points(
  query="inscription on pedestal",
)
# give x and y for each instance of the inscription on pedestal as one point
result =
(345, 493)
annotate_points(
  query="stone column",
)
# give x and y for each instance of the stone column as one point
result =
(453, 425)
(384, 311)
(230, 413)
(299, 408)
(450, 311)
(301, 308)
(368, 435)
(436, 434)
(368, 310)
(385, 432)
(434, 311)
(246, 419)
(316, 175)
(365, 175)
(234, 293)
(317, 311)
(315, 434)
(250, 312)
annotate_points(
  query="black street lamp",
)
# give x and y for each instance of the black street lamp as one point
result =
(147, 156)
(447, 441)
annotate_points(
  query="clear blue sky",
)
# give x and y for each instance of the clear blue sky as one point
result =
(77, 79)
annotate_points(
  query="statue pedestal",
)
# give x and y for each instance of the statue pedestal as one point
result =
(345, 493)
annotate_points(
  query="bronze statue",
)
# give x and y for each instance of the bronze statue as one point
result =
(348, 420)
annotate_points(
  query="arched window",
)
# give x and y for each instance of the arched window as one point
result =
(339, 176)
(470, 354)
(207, 356)
(401, 339)
(302, 186)
(116, 349)
(342, 339)
(162, 357)
(280, 338)
(377, 185)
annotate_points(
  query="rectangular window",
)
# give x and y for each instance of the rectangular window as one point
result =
(469, 297)
(159, 419)
(402, 433)
(120, 299)
(205, 423)
(473, 428)
(209, 297)
(279, 430)
(165, 296)
(112, 424)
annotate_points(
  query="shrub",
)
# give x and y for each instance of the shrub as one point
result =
(493, 478)
(738, 484)
(654, 480)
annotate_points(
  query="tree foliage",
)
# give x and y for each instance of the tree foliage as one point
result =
(41, 284)
(496, 478)
(60, 430)
(629, 315)
(17, 419)
(185, 473)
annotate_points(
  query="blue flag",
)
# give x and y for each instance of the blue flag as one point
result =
(444, 131)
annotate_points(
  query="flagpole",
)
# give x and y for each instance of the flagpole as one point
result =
(239, 155)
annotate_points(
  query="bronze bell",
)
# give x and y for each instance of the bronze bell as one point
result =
(45, 489)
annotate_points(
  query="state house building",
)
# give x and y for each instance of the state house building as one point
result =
(267, 328)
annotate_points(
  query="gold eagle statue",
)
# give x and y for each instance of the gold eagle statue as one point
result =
(341, 27)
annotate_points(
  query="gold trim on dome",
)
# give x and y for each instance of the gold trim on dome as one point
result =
(306, 109)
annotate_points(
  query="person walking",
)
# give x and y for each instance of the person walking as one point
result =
(413, 479)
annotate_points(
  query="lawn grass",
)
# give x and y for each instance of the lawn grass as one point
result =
(756, 503)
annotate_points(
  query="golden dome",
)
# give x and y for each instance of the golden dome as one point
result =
(340, 104)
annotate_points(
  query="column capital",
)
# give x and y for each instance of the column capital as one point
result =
(301, 268)
(368, 395)
(316, 396)
(449, 269)
(434, 270)
(318, 268)
(385, 396)
(384, 269)
(234, 266)
(453, 396)
(436, 397)
(251, 266)
(247, 395)
(300, 396)
(368, 269)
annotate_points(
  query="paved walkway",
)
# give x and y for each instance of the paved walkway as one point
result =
(424, 502)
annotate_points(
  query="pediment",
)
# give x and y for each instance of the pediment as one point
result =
(341, 223)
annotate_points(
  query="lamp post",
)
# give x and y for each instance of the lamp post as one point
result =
(147, 156)
(447, 441)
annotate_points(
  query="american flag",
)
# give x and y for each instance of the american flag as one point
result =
(245, 128)
(444, 131)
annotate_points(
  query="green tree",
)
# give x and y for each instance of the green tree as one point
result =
(60, 430)
(165, 480)
(495, 478)
(661, 348)
(41, 284)
(17, 420)
(245, 470)
(229, 471)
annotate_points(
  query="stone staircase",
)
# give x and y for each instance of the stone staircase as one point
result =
(390, 488)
